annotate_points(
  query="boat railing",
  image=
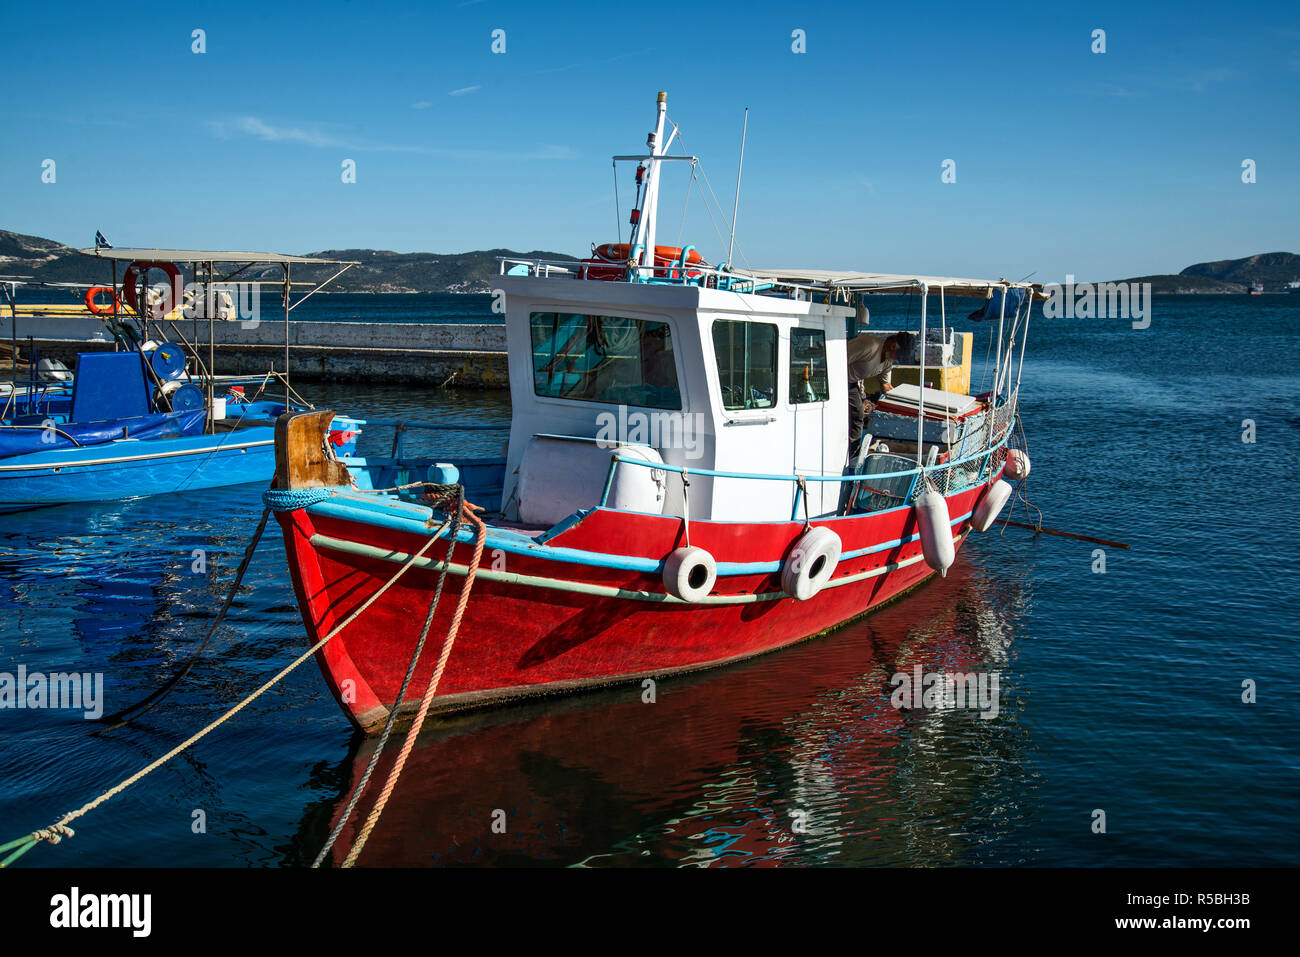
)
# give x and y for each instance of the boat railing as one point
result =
(401, 427)
(674, 274)
(944, 477)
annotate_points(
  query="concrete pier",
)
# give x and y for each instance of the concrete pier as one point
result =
(463, 355)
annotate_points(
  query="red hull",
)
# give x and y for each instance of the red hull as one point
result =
(520, 637)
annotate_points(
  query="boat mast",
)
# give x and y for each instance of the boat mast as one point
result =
(650, 207)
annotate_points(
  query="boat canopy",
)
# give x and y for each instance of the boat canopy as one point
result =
(204, 256)
(881, 282)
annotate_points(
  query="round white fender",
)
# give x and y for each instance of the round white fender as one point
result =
(811, 563)
(1017, 465)
(690, 573)
(932, 521)
(991, 505)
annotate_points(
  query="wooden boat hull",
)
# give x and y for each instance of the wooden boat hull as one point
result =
(582, 609)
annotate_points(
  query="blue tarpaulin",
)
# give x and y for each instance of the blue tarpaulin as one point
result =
(167, 425)
(992, 309)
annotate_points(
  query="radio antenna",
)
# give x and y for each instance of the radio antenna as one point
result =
(736, 206)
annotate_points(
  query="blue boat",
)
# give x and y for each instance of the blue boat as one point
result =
(134, 422)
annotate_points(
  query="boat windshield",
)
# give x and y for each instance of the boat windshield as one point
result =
(604, 359)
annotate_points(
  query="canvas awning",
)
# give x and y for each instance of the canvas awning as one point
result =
(881, 282)
(203, 256)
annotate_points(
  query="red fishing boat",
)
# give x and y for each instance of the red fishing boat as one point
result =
(677, 492)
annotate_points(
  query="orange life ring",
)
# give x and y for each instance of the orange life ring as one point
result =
(92, 294)
(173, 283)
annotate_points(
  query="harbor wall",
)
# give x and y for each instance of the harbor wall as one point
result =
(464, 355)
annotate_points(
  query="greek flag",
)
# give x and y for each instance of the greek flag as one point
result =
(101, 242)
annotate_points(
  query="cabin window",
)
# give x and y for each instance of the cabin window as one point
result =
(746, 353)
(808, 379)
(604, 359)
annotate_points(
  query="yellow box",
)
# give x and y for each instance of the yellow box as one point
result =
(954, 378)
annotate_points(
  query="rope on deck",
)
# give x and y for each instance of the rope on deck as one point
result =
(60, 829)
(414, 731)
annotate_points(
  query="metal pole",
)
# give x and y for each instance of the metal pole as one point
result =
(117, 321)
(13, 340)
(735, 208)
(1024, 337)
(212, 357)
(920, 408)
(286, 337)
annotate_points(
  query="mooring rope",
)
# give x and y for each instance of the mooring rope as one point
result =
(362, 784)
(120, 718)
(60, 829)
(414, 731)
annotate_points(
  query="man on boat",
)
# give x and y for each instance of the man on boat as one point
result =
(871, 366)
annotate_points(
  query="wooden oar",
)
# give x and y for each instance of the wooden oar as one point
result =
(1052, 531)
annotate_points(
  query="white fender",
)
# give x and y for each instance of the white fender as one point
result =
(990, 506)
(690, 573)
(1017, 466)
(932, 521)
(811, 563)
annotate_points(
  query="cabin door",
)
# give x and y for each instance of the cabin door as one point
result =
(814, 426)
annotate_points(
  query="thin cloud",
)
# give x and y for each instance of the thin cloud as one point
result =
(422, 105)
(262, 130)
(317, 136)
(1201, 80)
(465, 90)
(589, 63)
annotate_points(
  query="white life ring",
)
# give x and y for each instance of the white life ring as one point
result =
(811, 563)
(690, 573)
(991, 505)
(935, 527)
(1017, 466)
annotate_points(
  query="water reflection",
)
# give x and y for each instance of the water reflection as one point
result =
(798, 757)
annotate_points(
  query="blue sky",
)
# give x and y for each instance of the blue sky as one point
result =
(1101, 165)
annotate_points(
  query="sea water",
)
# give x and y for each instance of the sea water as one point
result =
(1145, 713)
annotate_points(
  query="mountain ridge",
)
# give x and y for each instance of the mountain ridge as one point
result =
(378, 270)
(387, 271)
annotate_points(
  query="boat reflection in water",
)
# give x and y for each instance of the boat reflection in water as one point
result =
(725, 767)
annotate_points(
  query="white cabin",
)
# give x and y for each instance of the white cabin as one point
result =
(705, 378)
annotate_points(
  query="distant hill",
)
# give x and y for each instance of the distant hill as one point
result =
(1183, 284)
(386, 271)
(379, 270)
(382, 270)
(1274, 270)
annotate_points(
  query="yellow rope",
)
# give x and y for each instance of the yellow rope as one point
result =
(61, 826)
(414, 732)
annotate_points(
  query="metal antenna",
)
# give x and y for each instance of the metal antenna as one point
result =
(736, 206)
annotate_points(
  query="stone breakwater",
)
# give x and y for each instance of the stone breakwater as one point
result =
(464, 355)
